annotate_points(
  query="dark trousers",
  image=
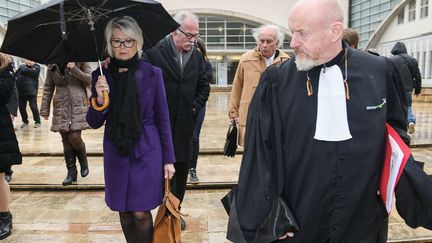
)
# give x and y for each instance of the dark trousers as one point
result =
(196, 135)
(178, 182)
(32, 100)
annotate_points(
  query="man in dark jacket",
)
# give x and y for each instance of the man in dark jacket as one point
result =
(408, 69)
(187, 90)
(28, 83)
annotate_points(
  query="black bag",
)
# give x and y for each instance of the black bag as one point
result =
(279, 221)
(231, 141)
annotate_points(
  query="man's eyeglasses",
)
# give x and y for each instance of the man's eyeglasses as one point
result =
(128, 43)
(189, 35)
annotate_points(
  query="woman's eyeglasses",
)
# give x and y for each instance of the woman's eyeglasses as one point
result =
(128, 43)
(189, 35)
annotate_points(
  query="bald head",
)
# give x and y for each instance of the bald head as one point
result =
(325, 11)
(317, 28)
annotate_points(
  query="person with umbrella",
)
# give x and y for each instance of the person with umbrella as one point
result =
(9, 150)
(138, 147)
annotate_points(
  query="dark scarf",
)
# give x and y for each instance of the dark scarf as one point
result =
(124, 119)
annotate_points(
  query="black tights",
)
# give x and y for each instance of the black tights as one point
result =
(72, 141)
(137, 226)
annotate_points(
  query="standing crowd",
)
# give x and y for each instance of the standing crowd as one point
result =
(313, 127)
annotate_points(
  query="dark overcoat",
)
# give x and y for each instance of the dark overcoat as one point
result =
(331, 187)
(186, 93)
(9, 150)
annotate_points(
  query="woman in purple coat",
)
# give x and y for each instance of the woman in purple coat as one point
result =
(138, 149)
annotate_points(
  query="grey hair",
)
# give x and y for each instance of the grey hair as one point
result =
(277, 32)
(129, 27)
(181, 16)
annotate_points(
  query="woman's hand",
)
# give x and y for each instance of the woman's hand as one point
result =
(289, 234)
(101, 86)
(169, 171)
(70, 65)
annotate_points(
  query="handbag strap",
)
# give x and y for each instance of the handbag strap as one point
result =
(230, 128)
(167, 186)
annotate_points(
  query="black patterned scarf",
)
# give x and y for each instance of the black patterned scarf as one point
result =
(124, 119)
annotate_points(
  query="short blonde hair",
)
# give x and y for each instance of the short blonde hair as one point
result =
(129, 27)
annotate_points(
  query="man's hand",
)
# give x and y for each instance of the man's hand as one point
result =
(234, 120)
(45, 117)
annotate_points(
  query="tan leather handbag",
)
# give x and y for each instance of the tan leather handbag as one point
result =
(167, 222)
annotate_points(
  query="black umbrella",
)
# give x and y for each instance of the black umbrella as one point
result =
(62, 31)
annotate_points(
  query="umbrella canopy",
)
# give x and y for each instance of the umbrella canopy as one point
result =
(73, 30)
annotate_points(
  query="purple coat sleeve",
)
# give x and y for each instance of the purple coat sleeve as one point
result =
(95, 118)
(162, 119)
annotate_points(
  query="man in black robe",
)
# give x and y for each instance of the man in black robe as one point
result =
(317, 140)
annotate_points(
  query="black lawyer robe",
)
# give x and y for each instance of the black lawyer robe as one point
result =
(331, 187)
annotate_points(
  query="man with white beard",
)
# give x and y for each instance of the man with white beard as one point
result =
(316, 139)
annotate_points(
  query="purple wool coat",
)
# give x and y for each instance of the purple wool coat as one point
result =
(135, 182)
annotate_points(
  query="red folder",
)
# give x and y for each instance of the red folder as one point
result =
(396, 156)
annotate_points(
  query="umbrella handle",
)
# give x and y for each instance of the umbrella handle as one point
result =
(105, 104)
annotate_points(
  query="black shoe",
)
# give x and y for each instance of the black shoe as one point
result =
(5, 224)
(82, 159)
(71, 167)
(193, 178)
(182, 224)
(8, 176)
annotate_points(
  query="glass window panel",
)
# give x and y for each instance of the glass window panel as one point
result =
(215, 39)
(374, 17)
(401, 17)
(385, 6)
(364, 20)
(235, 39)
(215, 32)
(236, 25)
(411, 10)
(249, 39)
(365, 12)
(365, 4)
(356, 8)
(424, 8)
(213, 18)
(375, 9)
(215, 25)
(235, 32)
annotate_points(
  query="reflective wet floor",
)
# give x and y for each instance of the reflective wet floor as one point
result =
(45, 212)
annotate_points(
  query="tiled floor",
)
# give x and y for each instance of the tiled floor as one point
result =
(82, 216)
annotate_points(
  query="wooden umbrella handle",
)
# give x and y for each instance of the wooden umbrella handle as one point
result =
(105, 104)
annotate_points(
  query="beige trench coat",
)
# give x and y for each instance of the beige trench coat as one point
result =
(246, 79)
(70, 99)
